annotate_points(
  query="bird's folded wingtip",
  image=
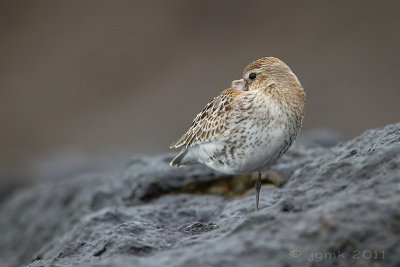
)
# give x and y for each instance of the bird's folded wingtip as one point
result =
(173, 164)
(177, 161)
(176, 144)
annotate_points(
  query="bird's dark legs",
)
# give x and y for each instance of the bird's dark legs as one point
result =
(258, 188)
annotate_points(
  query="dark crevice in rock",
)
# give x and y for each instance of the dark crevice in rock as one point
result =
(101, 251)
(140, 250)
(350, 154)
(229, 186)
(37, 258)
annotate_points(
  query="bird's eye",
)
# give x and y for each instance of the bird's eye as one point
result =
(252, 76)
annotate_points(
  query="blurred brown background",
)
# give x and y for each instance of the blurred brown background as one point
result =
(114, 78)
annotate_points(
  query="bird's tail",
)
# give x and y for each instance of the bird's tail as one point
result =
(177, 161)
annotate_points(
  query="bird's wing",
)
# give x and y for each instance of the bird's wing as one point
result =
(211, 121)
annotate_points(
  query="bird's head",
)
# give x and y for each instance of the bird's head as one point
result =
(269, 72)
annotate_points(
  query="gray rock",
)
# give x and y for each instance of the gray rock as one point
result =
(321, 136)
(339, 206)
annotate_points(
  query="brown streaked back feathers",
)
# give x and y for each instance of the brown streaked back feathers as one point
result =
(211, 121)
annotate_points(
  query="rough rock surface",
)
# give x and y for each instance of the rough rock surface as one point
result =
(339, 206)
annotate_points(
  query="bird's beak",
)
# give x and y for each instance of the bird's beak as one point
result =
(240, 85)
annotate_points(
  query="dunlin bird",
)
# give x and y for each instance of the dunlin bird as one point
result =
(248, 126)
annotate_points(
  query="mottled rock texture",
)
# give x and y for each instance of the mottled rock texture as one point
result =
(338, 205)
